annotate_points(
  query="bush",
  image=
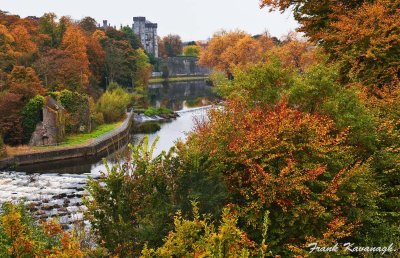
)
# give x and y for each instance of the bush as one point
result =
(21, 236)
(31, 116)
(157, 111)
(96, 117)
(148, 127)
(113, 104)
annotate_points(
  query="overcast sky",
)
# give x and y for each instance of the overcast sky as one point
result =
(191, 19)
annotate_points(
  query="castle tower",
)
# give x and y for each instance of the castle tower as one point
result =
(147, 32)
(105, 24)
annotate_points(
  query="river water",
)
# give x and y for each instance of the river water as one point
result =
(55, 190)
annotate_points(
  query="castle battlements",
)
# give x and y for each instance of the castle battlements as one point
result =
(147, 32)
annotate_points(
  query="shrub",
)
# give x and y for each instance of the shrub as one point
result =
(21, 236)
(157, 111)
(96, 117)
(148, 127)
(31, 116)
(113, 104)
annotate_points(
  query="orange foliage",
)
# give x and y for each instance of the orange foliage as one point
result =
(228, 49)
(369, 41)
(24, 46)
(271, 156)
(74, 42)
(296, 53)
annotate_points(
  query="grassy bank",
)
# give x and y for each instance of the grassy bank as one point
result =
(178, 79)
(76, 139)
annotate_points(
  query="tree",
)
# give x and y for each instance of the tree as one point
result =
(23, 45)
(297, 53)
(361, 35)
(172, 45)
(315, 16)
(48, 27)
(88, 25)
(25, 82)
(11, 124)
(367, 43)
(59, 70)
(142, 71)
(74, 43)
(227, 50)
(6, 49)
(192, 50)
(96, 58)
(132, 37)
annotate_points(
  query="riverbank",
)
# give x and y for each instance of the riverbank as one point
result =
(105, 143)
(178, 79)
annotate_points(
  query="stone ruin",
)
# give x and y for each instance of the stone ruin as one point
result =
(51, 130)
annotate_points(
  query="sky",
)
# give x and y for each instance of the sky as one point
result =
(191, 19)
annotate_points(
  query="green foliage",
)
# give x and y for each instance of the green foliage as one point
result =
(263, 82)
(192, 50)
(151, 111)
(131, 204)
(199, 237)
(112, 104)
(78, 108)
(318, 91)
(31, 116)
(148, 127)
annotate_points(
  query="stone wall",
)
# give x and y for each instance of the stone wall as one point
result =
(184, 65)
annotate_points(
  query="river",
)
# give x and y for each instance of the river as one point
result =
(55, 189)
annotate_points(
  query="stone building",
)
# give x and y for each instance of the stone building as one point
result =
(147, 32)
(51, 129)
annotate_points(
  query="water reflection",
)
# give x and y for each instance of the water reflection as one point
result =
(175, 95)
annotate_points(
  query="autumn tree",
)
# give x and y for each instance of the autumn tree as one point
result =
(25, 82)
(24, 46)
(172, 45)
(361, 35)
(49, 28)
(297, 53)
(88, 25)
(11, 119)
(96, 58)
(74, 43)
(192, 50)
(227, 50)
(59, 70)
(367, 43)
(6, 48)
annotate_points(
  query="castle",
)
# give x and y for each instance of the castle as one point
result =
(147, 32)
